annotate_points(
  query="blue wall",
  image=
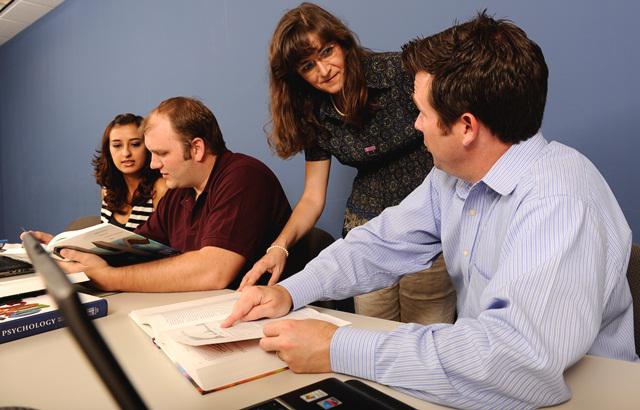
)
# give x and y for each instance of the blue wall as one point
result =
(67, 75)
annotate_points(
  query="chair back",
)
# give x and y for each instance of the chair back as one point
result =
(83, 222)
(307, 248)
(633, 276)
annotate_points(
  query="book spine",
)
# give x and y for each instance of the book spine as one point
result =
(39, 323)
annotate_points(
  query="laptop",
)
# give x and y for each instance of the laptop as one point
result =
(13, 267)
(325, 394)
(83, 330)
(333, 393)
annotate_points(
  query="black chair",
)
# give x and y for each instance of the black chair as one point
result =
(633, 276)
(307, 248)
(83, 222)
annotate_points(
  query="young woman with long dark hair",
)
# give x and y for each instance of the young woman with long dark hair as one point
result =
(130, 188)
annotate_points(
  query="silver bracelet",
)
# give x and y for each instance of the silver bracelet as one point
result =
(282, 248)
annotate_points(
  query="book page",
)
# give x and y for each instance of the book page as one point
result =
(210, 332)
(183, 314)
(69, 234)
(106, 239)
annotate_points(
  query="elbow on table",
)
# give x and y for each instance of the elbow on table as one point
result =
(506, 381)
(545, 393)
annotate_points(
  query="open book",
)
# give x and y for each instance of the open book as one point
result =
(118, 246)
(213, 358)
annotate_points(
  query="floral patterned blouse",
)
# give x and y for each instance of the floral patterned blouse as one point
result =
(387, 151)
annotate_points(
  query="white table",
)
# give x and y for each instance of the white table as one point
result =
(48, 371)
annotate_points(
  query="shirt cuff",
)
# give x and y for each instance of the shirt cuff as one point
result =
(304, 288)
(353, 352)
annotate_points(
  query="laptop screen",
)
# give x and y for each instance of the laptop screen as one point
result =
(83, 330)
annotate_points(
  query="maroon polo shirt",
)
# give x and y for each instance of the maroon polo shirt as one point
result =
(242, 209)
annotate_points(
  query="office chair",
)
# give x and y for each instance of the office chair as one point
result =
(307, 248)
(83, 222)
(633, 276)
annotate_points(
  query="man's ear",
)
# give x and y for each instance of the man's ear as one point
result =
(198, 149)
(470, 127)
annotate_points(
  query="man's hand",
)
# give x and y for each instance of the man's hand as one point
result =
(42, 237)
(92, 265)
(303, 344)
(273, 262)
(257, 302)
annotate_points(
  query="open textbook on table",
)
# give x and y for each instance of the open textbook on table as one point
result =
(213, 358)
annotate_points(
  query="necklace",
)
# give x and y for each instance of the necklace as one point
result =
(336, 107)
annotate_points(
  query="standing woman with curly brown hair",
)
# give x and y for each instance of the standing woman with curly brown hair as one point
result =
(332, 97)
(131, 190)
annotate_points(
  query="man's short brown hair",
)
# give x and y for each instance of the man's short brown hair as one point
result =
(486, 67)
(190, 118)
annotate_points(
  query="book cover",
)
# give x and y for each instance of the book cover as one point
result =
(118, 246)
(32, 315)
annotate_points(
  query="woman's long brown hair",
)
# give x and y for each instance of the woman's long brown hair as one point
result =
(293, 101)
(109, 177)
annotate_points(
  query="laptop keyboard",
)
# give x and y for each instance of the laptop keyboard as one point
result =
(13, 267)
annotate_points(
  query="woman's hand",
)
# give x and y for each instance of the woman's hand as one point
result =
(303, 217)
(273, 262)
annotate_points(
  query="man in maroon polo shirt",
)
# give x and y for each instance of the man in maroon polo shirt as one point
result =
(222, 211)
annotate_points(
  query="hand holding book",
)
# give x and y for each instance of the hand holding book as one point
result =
(117, 246)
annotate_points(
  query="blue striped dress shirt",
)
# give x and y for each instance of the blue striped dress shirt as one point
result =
(537, 251)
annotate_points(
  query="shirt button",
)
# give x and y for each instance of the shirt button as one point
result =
(465, 252)
(472, 212)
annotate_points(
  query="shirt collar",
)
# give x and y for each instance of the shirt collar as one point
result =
(220, 160)
(505, 174)
(191, 193)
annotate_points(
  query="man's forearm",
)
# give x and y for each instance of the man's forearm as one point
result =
(205, 269)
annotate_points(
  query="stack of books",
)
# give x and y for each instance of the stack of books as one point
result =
(25, 316)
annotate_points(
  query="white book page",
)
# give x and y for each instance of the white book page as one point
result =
(62, 236)
(183, 314)
(210, 332)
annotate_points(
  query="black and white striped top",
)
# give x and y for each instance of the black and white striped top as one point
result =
(139, 215)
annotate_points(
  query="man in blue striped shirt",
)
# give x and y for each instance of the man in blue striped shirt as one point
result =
(534, 240)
